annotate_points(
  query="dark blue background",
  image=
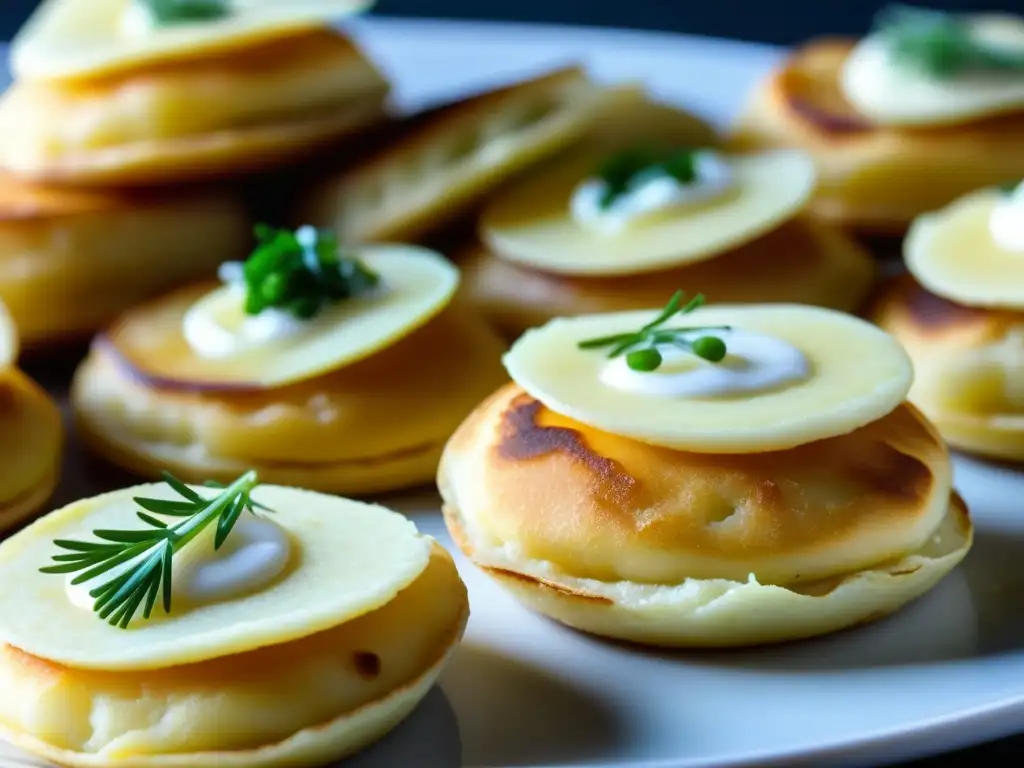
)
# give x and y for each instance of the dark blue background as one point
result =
(776, 21)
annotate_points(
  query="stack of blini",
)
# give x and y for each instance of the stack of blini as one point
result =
(31, 436)
(960, 315)
(509, 168)
(923, 110)
(121, 118)
(297, 658)
(748, 475)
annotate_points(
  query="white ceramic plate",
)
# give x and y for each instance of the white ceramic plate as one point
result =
(522, 691)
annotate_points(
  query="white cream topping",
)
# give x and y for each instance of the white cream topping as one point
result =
(1006, 222)
(888, 93)
(652, 193)
(256, 553)
(754, 363)
(220, 329)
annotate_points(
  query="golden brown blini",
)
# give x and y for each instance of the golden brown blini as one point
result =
(802, 262)
(374, 425)
(967, 361)
(454, 155)
(632, 541)
(72, 260)
(215, 115)
(31, 442)
(309, 701)
(873, 178)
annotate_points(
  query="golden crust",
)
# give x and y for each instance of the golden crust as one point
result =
(306, 702)
(802, 262)
(449, 157)
(371, 426)
(874, 179)
(213, 116)
(722, 614)
(31, 441)
(966, 366)
(604, 507)
(72, 260)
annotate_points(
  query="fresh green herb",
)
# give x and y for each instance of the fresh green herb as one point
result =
(1010, 187)
(301, 272)
(150, 551)
(620, 172)
(641, 347)
(939, 44)
(185, 11)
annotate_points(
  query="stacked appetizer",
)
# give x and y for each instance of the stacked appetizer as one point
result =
(112, 94)
(147, 91)
(176, 626)
(927, 108)
(960, 314)
(31, 436)
(706, 476)
(608, 228)
(325, 368)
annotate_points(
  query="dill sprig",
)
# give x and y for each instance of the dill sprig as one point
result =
(939, 44)
(301, 272)
(150, 551)
(641, 347)
(185, 11)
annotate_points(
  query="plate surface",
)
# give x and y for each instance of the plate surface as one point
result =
(946, 672)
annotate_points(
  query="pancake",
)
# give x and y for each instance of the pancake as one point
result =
(372, 426)
(672, 548)
(72, 260)
(452, 156)
(873, 179)
(801, 262)
(236, 111)
(31, 443)
(310, 699)
(967, 363)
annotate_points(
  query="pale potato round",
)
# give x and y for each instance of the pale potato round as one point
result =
(72, 260)
(366, 553)
(873, 179)
(652, 545)
(858, 374)
(216, 116)
(952, 253)
(530, 223)
(376, 425)
(307, 702)
(68, 39)
(31, 442)
(802, 262)
(415, 285)
(967, 362)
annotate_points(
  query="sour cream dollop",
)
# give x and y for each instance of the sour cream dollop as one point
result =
(256, 553)
(754, 362)
(1006, 222)
(651, 193)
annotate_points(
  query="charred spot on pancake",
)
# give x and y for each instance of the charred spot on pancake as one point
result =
(367, 664)
(523, 438)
